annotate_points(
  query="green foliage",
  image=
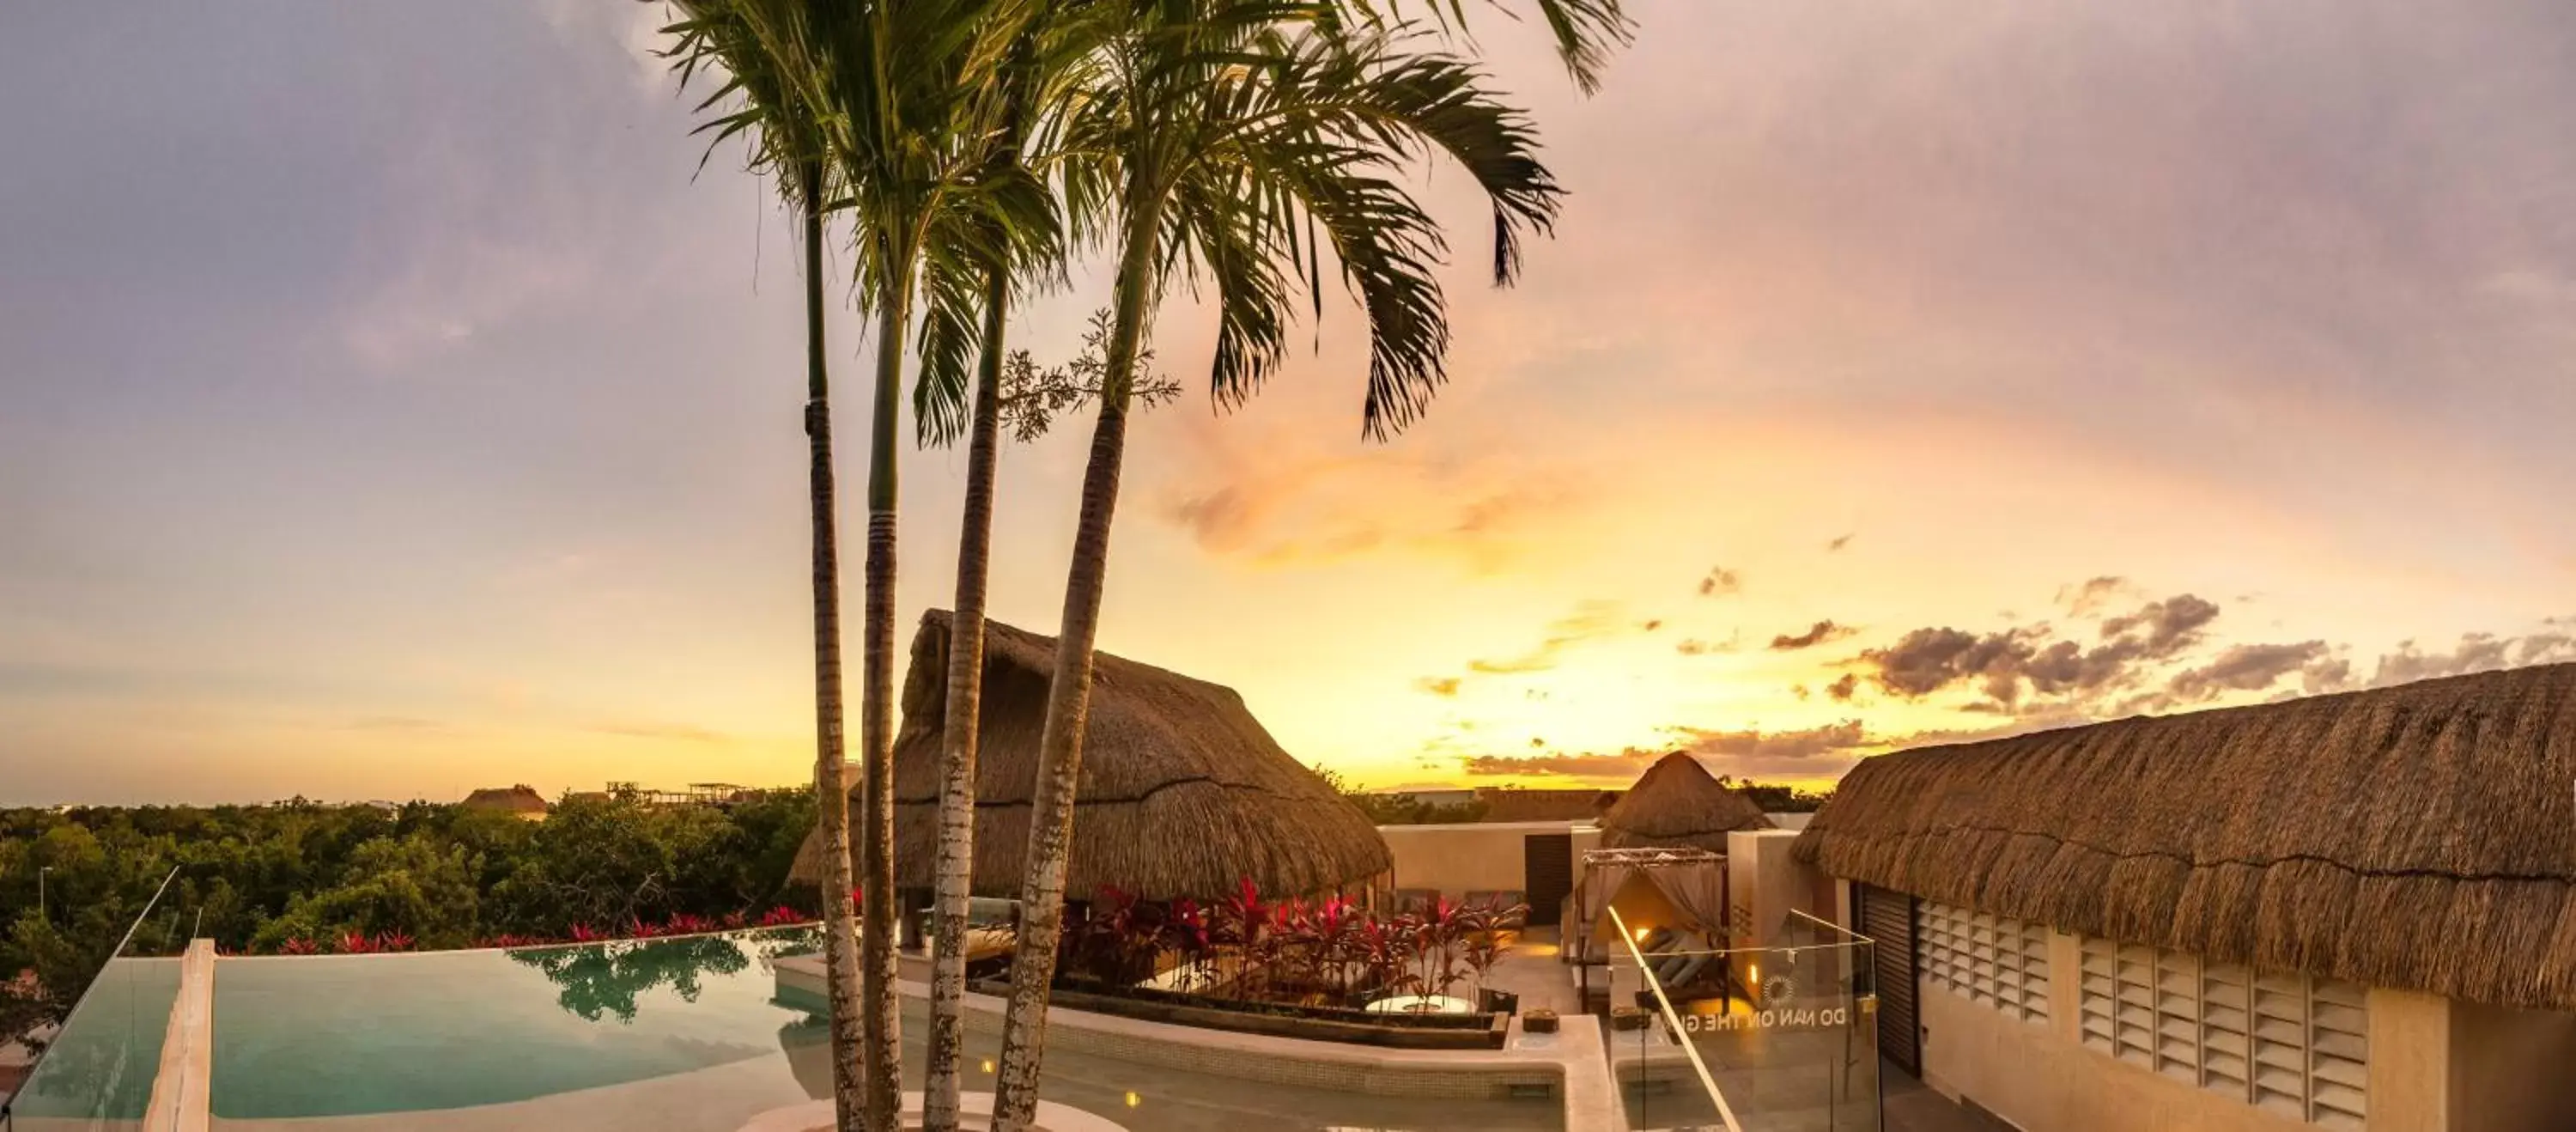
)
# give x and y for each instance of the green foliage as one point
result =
(419, 886)
(298, 873)
(1389, 809)
(1781, 799)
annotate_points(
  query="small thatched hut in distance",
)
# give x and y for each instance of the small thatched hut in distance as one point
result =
(1676, 804)
(1181, 790)
(521, 800)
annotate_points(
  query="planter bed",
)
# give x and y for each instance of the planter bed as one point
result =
(1285, 1020)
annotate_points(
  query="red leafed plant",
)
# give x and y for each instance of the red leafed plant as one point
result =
(1386, 953)
(299, 946)
(393, 941)
(781, 916)
(1326, 950)
(1187, 933)
(1436, 937)
(1243, 926)
(1119, 937)
(1487, 933)
(584, 933)
(356, 943)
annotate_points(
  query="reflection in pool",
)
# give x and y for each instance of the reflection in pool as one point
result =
(681, 1034)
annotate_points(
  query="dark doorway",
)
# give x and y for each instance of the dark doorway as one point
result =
(1887, 918)
(1547, 871)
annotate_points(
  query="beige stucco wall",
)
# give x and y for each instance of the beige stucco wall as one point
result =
(2040, 1077)
(1459, 859)
(1763, 885)
(2511, 1070)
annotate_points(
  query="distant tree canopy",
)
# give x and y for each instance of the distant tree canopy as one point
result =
(266, 878)
(1393, 809)
(1778, 799)
(1390, 809)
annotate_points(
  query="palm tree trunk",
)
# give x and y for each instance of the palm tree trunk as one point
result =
(882, 1033)
(1069, 694)
(957, 746)
(831, 796)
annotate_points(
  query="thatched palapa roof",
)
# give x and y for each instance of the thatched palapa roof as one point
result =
(2414, 837)
(1181, 790)
(1676, 804)
(520, 799)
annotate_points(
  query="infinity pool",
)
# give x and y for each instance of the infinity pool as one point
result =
(680, 1034)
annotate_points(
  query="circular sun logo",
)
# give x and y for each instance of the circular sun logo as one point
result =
(1779, 990)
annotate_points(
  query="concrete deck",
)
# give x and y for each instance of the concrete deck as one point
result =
(1532, 969)
(1910, 1105)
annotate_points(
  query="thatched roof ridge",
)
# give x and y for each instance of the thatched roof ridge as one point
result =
(1677, 804)
(1181, 793)
(520, 799)
(2413, 837)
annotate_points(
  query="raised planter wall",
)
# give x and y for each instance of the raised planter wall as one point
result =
(1322, 1024)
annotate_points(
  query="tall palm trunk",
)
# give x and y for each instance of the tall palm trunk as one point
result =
(1069, 695)
(831, 788)
(958, 740)
(882, 1033)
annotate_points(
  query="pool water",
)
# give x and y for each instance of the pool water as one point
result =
(679, 1034)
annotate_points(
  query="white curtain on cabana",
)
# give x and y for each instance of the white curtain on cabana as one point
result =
(1697, 890)
(1591, 899)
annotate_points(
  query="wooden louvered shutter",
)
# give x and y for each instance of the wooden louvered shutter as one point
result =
(1887, 918)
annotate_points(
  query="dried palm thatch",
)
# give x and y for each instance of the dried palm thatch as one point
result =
(522, 800)
(2413, 837)
(1676, 804)
(1182, 792)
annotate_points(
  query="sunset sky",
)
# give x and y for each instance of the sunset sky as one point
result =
(389, 406)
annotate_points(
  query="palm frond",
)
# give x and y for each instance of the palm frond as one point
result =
(1587, 32)
(1292, 138)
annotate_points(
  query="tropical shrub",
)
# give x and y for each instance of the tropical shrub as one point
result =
(1248, 948)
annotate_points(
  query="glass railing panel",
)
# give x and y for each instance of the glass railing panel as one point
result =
(96, 1074)
(1747, 1039)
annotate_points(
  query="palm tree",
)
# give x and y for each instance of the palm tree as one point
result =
(910, 104)
(892, 105)
(980, 248)
(760, 49)
(1586, 31)
(1010, 391)
(1237, 141)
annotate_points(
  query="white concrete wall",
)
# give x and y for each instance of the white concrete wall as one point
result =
(2040, 1077)
(1763, 884)
(1459, 859)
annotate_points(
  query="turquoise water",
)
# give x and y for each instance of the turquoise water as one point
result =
(348, 1035)
(99, 1072)
(684, 1035)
